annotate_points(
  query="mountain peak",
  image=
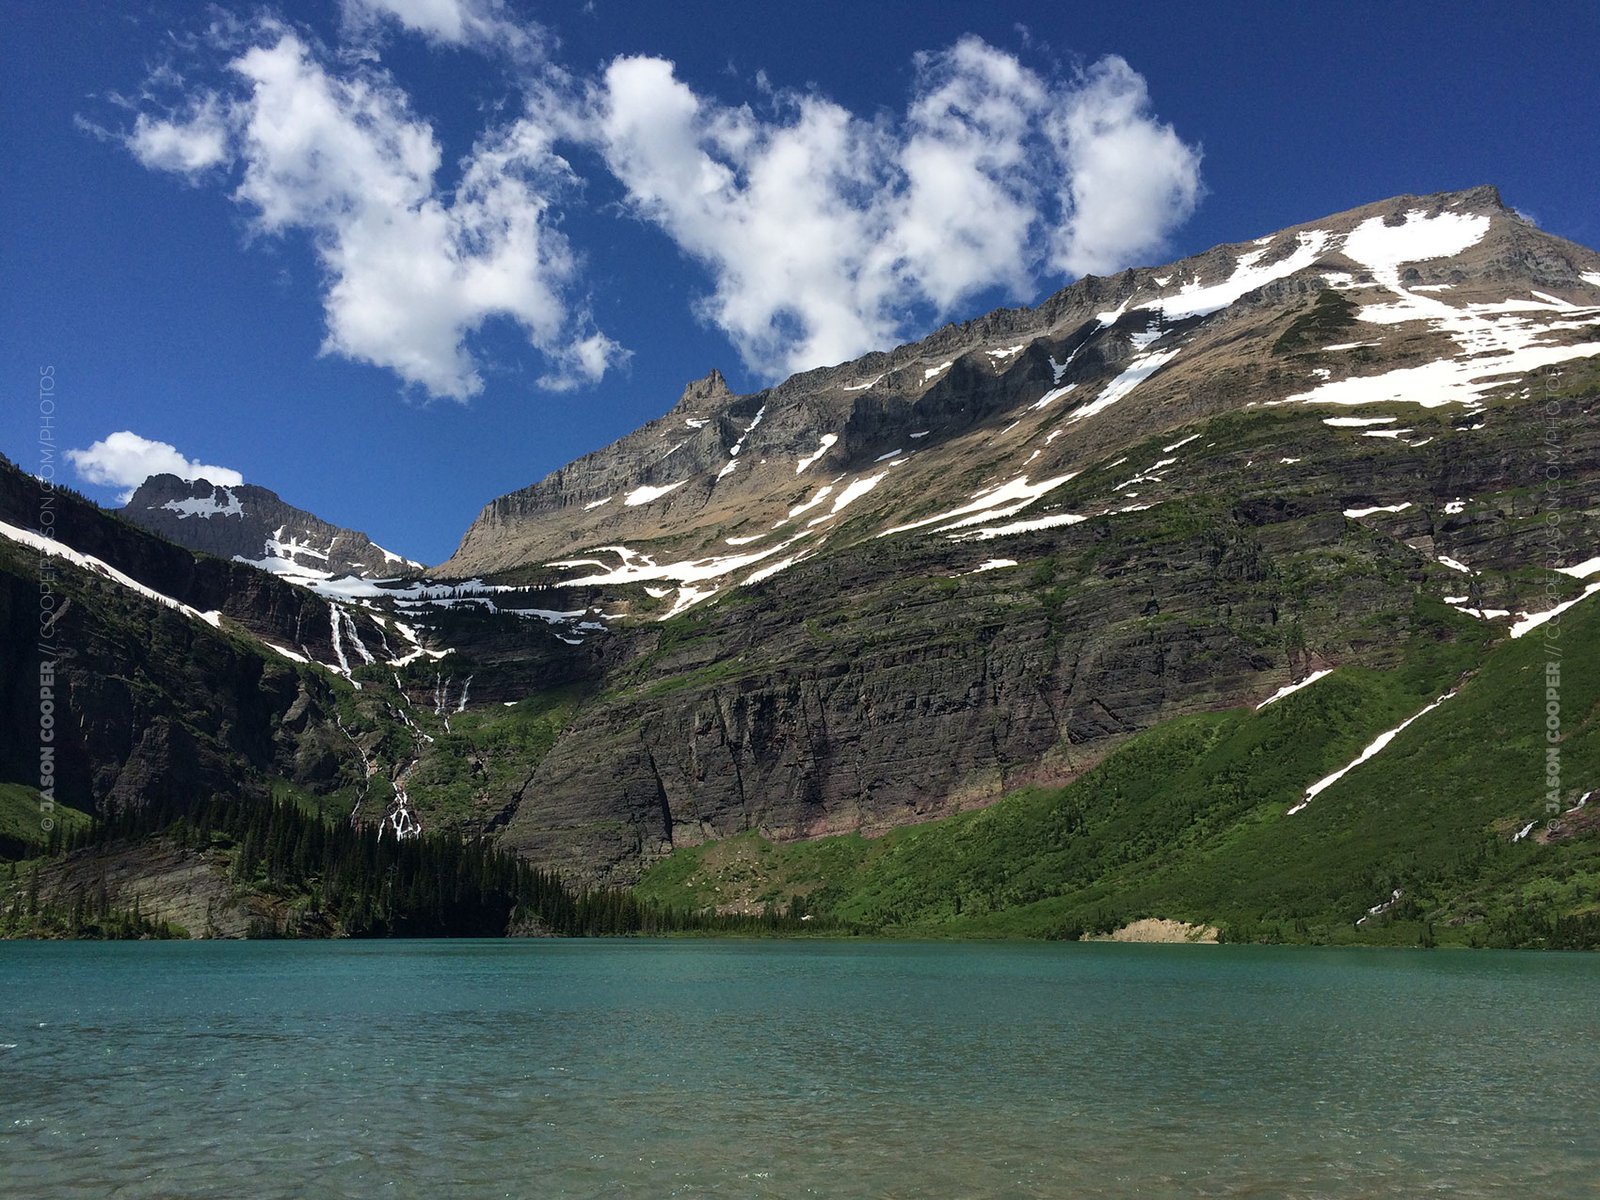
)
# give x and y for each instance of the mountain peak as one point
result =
(1065, 384)
(1482, 197)
(254, 525)
(709, 391)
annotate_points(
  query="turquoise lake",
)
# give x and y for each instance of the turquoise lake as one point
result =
(801, 1068)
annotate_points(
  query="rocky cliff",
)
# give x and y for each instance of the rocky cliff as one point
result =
(174, 675)
(890, 589)
(253, 525)
(899, 587)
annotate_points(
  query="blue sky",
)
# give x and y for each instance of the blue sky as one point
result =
(393, 258)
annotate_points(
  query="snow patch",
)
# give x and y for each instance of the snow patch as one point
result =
(1002, 500)
(1110, 317)
(1378, 743)
(1494, 340)
(1581, 570)
(1532, 621)
(647, 493)
(768, 572)
(1290, 689)
(825, 443)
(1140, 369)
(1357, 422)
(418, 649)
(56, 549)
(289, 654)
(1419, 237)
(852, 492)
(733, 453)
(1194, 299)
(391, 556)
(1052, 396)
(287, 567)
(1354, 513)
(1445, 381)
(688, 597)
(822, 494)
(995, 531)
(635, 567)
(208, 506)
(1482, 614)
(992, 564)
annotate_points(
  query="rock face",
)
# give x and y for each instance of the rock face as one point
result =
(904, 585)
(187, 888)
(718, 464)
(157, 700)
(253, 525)
(890, 589)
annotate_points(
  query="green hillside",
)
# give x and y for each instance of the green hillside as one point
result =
(1189, 821)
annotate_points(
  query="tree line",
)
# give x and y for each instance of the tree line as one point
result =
(333, 878)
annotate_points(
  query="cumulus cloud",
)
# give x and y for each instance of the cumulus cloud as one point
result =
(1127, 177)
(125, 460)
(483, 24)
(410, 272)
(827, 234)
(187, 143)
(823, 233)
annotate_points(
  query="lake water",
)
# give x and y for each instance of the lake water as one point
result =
(802, 1068)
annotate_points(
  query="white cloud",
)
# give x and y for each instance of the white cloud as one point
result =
(187, 144)
(484, 24)
(970, 200)
(824, 233)
(409, 271)
(125, 460)
(1128, 179)
(827, 234)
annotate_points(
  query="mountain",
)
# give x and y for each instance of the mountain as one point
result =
(1141, 573)
(175, 675)
(251, 524)
(1096, 364)
(904, 586)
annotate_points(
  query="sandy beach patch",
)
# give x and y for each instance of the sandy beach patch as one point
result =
(1159, 929)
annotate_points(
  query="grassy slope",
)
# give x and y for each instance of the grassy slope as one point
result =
(487, 755)
(1188, 821)
(21, 813)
